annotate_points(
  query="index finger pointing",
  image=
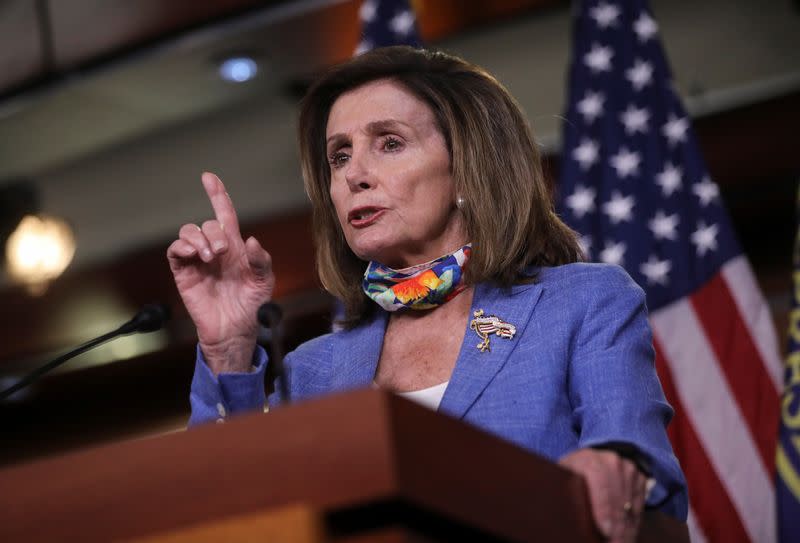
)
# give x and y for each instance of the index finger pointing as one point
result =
(221, 202)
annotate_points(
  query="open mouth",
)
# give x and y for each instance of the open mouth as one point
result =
(364, 216)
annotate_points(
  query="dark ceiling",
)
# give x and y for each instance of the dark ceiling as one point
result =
(45, 41)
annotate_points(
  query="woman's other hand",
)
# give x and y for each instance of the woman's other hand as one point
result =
(616, 491)
(222, 280)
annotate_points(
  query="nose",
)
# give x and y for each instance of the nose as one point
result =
(358, 173)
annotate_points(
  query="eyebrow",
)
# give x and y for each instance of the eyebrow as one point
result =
(379, 126)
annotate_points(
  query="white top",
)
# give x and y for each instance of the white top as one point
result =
(429, 397)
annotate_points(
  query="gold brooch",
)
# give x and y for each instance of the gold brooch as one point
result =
(485, 326)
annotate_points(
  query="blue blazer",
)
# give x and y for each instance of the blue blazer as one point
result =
(579, 372)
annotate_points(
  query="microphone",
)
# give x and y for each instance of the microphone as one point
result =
(269, 316)
(150, 318)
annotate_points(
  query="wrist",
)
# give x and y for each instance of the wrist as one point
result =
(629, 452)
(231, 356)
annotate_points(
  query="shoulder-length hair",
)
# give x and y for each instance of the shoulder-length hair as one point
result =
(494, 163)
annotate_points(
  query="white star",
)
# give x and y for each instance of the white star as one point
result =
(613, 253)
(586, 245)
(656, 270)
(670, 179)
(605, 14)
(402, 23)
(599, 58)
(645, 27)
(640, 74)
(619, 208)
(362, 47)
(367, 11)
(586, 153)
(706, 190)
(591, 106)
(663, 226)
(626, 163)
(635, 120)
(675, 129)
(581, 201)
(705, 238)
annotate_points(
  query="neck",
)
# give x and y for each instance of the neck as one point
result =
(458, 306)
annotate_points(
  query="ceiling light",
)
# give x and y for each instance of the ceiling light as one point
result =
(38, 251)
(238, 69)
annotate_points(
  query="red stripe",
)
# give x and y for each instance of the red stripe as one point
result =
(741, 363)
(715, 512)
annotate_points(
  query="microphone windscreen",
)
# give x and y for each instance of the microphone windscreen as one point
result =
(151, 317)
(269, 314)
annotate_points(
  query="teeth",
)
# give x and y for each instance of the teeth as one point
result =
(364, 215)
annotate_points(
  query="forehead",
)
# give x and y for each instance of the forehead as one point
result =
(384, 99)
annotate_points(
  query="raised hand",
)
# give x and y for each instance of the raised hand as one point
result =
(222, 280)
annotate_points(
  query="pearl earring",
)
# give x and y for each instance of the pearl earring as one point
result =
(460, 202)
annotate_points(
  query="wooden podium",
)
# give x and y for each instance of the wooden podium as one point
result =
(361, 466)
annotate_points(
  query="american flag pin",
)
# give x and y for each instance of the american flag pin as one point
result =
(486, 325)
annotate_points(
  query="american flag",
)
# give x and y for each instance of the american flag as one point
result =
(635, 187)
(387, 22)
(788, 454)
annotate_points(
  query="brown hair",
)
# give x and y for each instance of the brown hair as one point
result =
(494, 163)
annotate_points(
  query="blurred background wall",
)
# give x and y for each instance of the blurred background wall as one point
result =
(111, 109)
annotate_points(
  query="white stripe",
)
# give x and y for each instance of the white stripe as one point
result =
(716, 418)
(756, 314)
(695, 533)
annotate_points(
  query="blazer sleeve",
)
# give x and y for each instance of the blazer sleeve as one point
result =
(215, 398)
(307, 368)
(613, 386)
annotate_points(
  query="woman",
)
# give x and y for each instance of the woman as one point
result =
(434, 226)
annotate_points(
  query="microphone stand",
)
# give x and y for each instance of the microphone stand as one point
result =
(149, 319)
(269, 316)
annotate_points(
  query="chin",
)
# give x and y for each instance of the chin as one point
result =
(374, 251)
(368, 255)
(367, 246)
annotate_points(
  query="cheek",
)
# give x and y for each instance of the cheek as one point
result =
(337, 199)
(435, 190)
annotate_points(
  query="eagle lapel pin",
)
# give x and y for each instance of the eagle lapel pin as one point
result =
(486, 325)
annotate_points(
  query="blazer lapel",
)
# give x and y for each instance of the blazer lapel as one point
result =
(356, 352)
(475, 369)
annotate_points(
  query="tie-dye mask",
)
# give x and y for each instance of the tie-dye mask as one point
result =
(423, 286)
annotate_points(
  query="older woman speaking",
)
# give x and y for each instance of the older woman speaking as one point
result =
(462, 289)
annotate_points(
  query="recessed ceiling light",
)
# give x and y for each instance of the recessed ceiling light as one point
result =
(238, 69)
(38, 251)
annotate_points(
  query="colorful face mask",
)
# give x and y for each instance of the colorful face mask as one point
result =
(423, 286)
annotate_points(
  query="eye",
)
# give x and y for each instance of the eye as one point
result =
(392, 144)
(337, 159)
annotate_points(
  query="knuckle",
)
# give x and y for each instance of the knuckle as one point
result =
(210, 225)
(618, 463)
(615, 458)
(188, 230)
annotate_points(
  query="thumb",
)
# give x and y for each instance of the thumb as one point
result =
(258, 259)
